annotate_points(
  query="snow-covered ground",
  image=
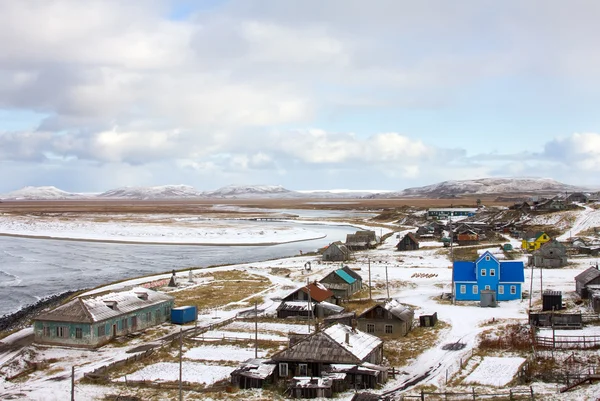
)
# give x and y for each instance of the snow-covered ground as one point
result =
(495, 371)
(417, 278)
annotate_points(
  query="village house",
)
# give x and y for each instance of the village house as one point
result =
(449, 212)
(408, 243)
(361, 240)
(253, 373)
(467, 237)
(577, 197)
(505, 278)
(341, 283)
(336, 252)
(532, 241)
(349, 357)
(354, 275)
(94, 320)
(309, 301)
(552, 254)
(522, 206)
(390, 319)
(424, 232)
(589, 277)
(551, 205)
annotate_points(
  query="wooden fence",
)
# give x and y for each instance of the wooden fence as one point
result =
(472, 395)
(568, 342)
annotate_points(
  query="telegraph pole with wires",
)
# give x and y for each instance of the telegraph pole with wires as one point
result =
(452, 259)
(180, 364)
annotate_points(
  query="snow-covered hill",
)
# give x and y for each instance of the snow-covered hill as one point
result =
(158, 192)
(253, 191)
(40, 193)
(492, 186)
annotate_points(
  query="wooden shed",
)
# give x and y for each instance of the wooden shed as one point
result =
(585, 278)
(253, 373)
(408, 243)
(428, 319)
(336, 252)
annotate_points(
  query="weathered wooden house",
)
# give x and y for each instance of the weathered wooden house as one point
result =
(346, 318)
(353, 355)
(532, 241)
(408, 243)
(94, 320)
(253, 373)
(354, 275)
(309, 301)
(342, 284)
(425, 232)
(551, 205)
(390, 319)
(590, 276)
(522, 206)
(469, 237)
(361, 240)
(551, 254)
(577, 197)
(336, 252)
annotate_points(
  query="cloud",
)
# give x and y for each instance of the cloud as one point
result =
(580, 149)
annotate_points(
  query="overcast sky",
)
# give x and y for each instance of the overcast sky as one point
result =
(307, 94)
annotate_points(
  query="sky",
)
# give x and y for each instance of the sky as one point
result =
(307, 94)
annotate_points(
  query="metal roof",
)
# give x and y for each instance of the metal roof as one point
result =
(464, 271)
(345, 276)
(588, 275)
(397, 309)
(96, 308)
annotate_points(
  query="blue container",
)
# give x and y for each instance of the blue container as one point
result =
(184, 314)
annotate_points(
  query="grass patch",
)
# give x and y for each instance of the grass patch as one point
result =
(228, 286)
(402, 350)
(469, 253)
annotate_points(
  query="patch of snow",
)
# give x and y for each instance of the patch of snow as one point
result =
(222, 353)
(193, 372)
(495, 371)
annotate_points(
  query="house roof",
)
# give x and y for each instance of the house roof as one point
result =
(412, 237)
(330, 346)
(318, 292)
(352, 273)
(464, 271)
(397, 309)
(255, 369)
(589, 274)
(96, 308)
(512, 272)
(296, 306)
(345, 276)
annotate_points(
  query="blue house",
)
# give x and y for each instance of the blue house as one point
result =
(488, 273)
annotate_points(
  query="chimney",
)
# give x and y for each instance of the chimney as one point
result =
(347, 338)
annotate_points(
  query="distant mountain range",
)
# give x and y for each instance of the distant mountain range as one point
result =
(446, 189)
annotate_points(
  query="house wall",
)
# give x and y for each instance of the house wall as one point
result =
(340, 287)
(123, 324)
(399, 328)
(471, 295)
(334, 254)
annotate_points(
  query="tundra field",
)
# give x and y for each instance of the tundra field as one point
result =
(495, 360)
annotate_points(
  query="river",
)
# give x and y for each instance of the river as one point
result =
(31, 269)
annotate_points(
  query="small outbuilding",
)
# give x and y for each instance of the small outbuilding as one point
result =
(253, 373)
(428, 319)
(341, 283)
(589, 276)
(408, 243)
(551, 300)
(551, 254)
(336, 252)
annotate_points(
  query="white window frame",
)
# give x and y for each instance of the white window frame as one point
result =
(283, 369)
(492, 272)
(302, 369)
(513, 289)
(501, 289)
(475, 289)
(463, 289)
(389, 329)
(487, 258)
(482, 272)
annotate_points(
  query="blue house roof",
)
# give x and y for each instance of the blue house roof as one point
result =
(486, 253)
(512, 272)
(345, 276)
(464, 271)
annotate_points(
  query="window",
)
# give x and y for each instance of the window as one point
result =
(379, 312)
(62, 331)
(487, 287)
(487, 258)
(124, 324)
(500, 289)
(101, 330)
(475, 289)
(389, 329)
(482, 272)
(370, 328)
(148, 316)
(283, 370)
(463, 289)
(78, 332)
(303, 369)
(134, 322)
(492, 272)
(47, 331)
(513, 289)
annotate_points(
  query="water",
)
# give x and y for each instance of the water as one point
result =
(31, 269)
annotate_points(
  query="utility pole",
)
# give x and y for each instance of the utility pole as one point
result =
(541, 283)
(309, 304)
(387, 284)
(180, 364)
(72, 383)
(370, 293)
(255, 331)
(452, 260)
(531, 288)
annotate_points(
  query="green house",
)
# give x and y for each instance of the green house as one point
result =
(94, 320)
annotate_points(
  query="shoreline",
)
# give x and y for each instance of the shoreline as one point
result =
(48, 237)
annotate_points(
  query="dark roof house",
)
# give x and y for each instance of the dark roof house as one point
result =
(408, 243)
(390, 319)
(551, 254)
(336, 252)
(590, 276)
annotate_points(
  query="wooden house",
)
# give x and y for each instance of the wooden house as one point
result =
(361, 240)
(346, 318)
(354, 275)
(551, 254)
(335, 349)
(253, 373)
(408, 243)
(425, 232)
(336, 252)
(505, 278)
(309, 301)
(469, 237)
(577, 197)
(522, 206)
(590, 276)
(94, 320)
(532, 241)
(342, 284)
(551, 205)
(390, 319)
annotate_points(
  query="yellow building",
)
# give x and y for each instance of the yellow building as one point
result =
(534, 242)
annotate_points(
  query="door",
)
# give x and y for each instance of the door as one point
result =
(114, 330)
